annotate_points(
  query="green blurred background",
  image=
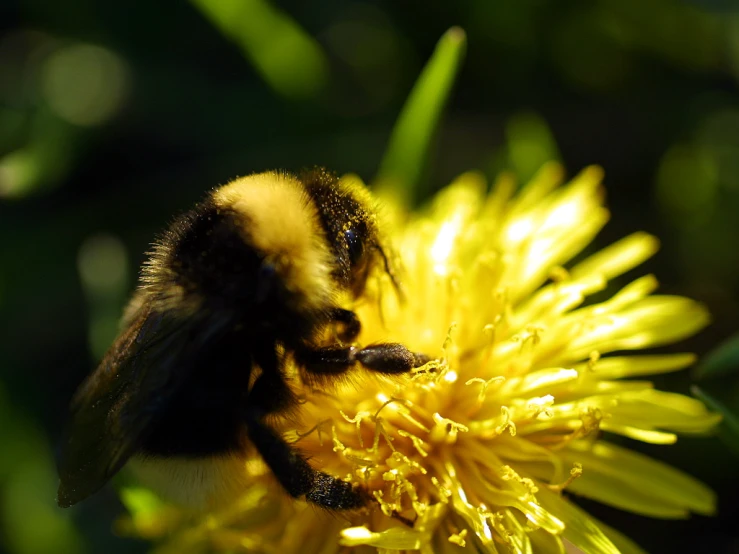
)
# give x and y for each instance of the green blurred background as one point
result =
(116, 115)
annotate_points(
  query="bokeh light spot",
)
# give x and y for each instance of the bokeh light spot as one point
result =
(85, 84)
(19, 172)
(719, 135)
(102, 263)
(687, 181)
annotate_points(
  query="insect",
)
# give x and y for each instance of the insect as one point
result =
(248, 280)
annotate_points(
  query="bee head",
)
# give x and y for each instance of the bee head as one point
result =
(348, 217)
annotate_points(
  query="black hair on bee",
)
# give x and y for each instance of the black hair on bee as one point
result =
(249, 277)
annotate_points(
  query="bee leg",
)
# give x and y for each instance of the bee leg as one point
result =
(269, 394)
(326, 360)
(389, 358)
(350, 324)
(288, 465)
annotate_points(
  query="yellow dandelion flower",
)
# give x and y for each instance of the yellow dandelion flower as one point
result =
(475, 448)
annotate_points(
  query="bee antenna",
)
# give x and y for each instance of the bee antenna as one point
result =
(393, 277)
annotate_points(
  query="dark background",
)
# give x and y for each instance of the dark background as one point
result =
(116, 115)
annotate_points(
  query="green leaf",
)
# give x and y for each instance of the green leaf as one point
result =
(287, 57)
(721, 361)
(728, 406)
(531, 144)
(404, 161)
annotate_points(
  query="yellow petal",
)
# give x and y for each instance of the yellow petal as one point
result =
(395, 538)
(518, 538)
(500, 194)
(546, 179)
(653, 321)
(630, 294)
(653, 409)
(637, 433)
(556, 299)
(624, 544)
(618, 258)
(533, 265)
(628, 480)
(580, 530)
(546, 543)
(617, 367)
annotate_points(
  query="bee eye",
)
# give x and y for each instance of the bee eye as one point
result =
(354, 245)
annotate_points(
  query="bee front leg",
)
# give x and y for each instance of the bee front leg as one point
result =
(387, 358)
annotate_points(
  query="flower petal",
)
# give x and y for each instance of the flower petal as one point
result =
(632, 481)
(624, 544)
(618, 367)
(637, 433)
(580, 529)
(546, 542)
(653, 409)
(395, 538)
(618, 258)
(653, 321)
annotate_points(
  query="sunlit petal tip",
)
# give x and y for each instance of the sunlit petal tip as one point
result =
(595, 170)
(552, 171)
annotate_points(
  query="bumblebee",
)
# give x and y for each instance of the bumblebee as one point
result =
(250, 279)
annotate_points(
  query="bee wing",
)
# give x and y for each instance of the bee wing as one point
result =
(113, 410)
